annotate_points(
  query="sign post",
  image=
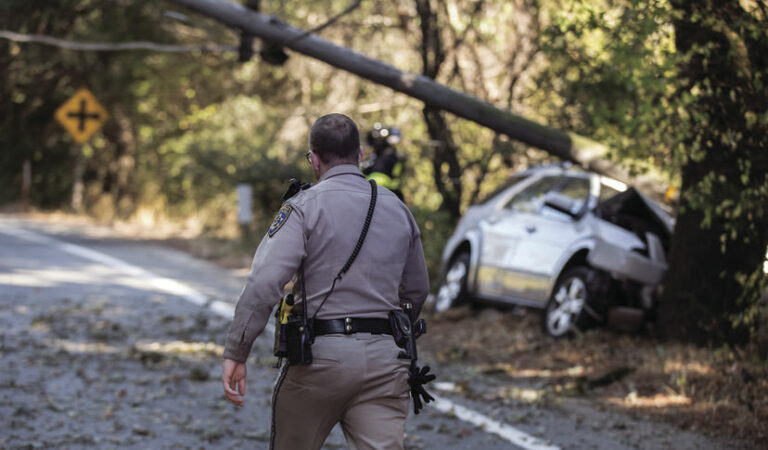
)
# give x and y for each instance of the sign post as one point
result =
(26, 183)
(82, 115)
(244, 203)
(244, 210)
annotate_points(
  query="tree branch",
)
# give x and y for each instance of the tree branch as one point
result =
(520, 61)
(111, 46)
(325, 25)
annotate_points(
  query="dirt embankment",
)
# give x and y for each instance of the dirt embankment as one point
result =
(720, 392)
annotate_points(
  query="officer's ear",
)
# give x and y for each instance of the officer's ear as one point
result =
(359, 154)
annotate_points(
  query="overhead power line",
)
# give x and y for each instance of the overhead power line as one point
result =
(111, 46)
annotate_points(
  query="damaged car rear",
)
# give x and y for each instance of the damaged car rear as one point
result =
(585, 248)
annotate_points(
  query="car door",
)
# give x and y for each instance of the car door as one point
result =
(526, 243)
(503, 231)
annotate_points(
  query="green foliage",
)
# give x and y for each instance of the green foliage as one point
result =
(39, 78)
(613, 71)
(436, 227)
(679, 86)
(228, 143)
(184, 127)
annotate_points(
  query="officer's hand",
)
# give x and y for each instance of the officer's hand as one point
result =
(417, 379)
(233, 377)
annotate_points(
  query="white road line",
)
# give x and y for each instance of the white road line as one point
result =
(226, 310)
(489, 425)
(154, 282)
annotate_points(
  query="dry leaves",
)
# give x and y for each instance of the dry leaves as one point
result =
(719, 391)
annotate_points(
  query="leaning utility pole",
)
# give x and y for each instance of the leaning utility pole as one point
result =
(567, 146)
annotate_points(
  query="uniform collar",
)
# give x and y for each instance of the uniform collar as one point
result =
(341, 169)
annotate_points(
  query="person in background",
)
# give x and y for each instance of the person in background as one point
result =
(384, 165)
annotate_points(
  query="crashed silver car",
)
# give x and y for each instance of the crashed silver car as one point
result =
(584, 247)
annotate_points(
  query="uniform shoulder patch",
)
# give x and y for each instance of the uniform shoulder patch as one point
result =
(280, 219)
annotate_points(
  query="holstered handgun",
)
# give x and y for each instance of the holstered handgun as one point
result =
(281, 319)
(293, 337)
(406, 333)
(402, 333)
(298, 342)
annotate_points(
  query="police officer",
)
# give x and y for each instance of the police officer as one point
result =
(356, 378)
(384, 165)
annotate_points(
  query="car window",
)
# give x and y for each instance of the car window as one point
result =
(504, 186)
(572, 187)
(530, 199)
(575, 188)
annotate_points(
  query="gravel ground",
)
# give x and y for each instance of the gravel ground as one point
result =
(112, 369)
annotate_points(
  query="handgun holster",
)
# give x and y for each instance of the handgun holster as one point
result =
(401, 327)
(298, 342)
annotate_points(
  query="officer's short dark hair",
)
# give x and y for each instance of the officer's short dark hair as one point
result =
(334, 137)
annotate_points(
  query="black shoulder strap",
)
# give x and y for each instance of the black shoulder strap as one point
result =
(294, 187)
(352, 257)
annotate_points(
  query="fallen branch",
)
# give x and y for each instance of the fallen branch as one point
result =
(610, 377)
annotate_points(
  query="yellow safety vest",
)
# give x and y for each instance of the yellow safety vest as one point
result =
(392, 183)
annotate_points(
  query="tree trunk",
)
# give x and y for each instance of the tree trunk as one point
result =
(445, 151)
(125, 157)
(703, 293)
(715, 278)
(443, 147)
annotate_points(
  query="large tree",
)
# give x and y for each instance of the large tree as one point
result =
(716, 279)
(681, 86)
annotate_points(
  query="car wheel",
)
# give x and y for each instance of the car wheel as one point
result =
(453, 286)
(565, 309)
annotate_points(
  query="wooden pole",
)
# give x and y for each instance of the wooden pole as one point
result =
(567, 146)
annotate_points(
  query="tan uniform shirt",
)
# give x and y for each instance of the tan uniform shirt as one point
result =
(321, 226)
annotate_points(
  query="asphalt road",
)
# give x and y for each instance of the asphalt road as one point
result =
(103, 345)
(108, 342)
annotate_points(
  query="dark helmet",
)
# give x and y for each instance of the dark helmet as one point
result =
(381, 136)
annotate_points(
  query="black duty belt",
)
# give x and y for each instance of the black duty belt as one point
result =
(349, 325)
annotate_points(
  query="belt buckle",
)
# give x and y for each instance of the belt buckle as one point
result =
(347, 325)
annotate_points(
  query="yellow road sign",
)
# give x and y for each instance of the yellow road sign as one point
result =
(82, 115)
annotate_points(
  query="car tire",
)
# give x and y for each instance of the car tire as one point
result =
(566, 307)
(453, 286)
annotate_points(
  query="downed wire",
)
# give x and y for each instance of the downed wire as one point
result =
(110, 46)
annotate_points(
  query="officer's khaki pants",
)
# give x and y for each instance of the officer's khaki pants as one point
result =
(355, 380)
